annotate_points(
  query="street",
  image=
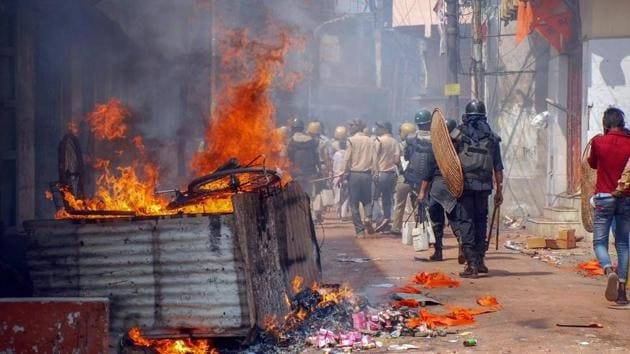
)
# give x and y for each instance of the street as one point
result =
(535, 295)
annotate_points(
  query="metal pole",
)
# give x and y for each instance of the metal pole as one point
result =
(477, 47)
(452, 53)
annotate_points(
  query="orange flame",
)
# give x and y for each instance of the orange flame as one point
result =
(242, 127)
(297, 283)
(107, 121)
(243, 123)
(172, 346)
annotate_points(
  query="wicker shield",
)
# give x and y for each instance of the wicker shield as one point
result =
(587, 186)
(446, 156)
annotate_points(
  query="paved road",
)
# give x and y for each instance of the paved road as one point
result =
(535, 295)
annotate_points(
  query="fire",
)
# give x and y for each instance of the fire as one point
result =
(333, 295)
(172, 346)
(325, 295)
(242, 127)
(243, 122)
(107, 121)
(297, 283)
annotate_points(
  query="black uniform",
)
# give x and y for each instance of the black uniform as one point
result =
(302, 152)
(479, 151)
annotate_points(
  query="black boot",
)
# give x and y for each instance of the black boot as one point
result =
(622, 299)
(483, 269)
(437, 255)
(460, 256)
(472, 267)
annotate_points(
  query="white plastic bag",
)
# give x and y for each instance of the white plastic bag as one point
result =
(407, 229)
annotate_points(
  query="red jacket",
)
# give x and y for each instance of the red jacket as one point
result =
(609, 155)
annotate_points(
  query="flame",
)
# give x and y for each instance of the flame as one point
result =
(172, 346)
(435, 280)
(330, 295)
(297, 283)
(242, 127)
(127, 187)
(243, 121)
(107, 121)
(591, 267)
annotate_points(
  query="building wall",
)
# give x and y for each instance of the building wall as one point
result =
(605, 18)
(515, 95)
(606, 80)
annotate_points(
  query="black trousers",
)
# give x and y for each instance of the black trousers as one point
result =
(469, 220)
(436, 213)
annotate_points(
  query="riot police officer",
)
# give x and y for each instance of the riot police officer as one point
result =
(419, 153)
(402, 190)
(302, 152)
(479, 151)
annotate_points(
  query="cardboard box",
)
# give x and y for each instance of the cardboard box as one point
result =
(536, 242)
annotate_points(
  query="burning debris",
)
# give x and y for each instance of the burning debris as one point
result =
(333, 317)
(171, 346)
(242, 128)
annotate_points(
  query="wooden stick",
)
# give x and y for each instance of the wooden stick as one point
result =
(496, 244)
(489, 238)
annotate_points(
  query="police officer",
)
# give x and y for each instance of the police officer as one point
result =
(419, 152)
(315, 130)
(302, 152)
(358, 166)
(440, 201)
(402, 190)
(478, 148)
(387, 162)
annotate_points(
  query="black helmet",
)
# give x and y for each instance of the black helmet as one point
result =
(451, 124)
(297, 125)
(385, 126)
(422, 117)
(476, 108)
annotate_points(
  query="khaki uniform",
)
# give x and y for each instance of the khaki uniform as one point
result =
(359, 164)
(387, 160)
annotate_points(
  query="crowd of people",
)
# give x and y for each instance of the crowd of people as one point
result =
(375, 179)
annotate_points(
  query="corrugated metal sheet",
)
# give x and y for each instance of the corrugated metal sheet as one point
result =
(54, 325)
(164, 275)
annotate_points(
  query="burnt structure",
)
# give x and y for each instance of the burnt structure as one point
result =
(187, 275)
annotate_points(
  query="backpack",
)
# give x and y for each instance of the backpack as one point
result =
(304, 157)
(477, 157)
(417, 153)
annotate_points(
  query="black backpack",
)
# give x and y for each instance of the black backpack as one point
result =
(304, 157)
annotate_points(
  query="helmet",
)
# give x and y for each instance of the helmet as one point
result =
(341, 133)
(296, 125)
(476, 108)
(451, 124)
(314, 128)
(384, 127)
(422, 117)
(406, 129)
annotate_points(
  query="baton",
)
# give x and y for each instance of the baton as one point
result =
(489, 238)
(325, 178)
(496, 247)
